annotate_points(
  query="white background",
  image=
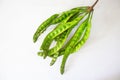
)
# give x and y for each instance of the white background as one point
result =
(98, 59)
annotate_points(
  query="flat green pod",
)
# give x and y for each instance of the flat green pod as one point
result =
(75, 15)
(54, 58)
(65, 23)
(81, 42)
(71, 43)
(43, 27)
(67, 13)
(59, 43)
(63, 16)
(60, 29)
(48, 39)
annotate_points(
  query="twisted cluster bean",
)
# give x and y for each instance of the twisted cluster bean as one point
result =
(66, 21)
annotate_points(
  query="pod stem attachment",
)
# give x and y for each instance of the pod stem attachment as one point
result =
(91, 7)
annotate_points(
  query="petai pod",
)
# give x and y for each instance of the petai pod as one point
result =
(65, 21)
(75, 15)
(72, 42)
(61, 28)
(60, 42)
(46, 44)
(67, 13)
(81, 10)
(55, 50)
(43, 27)
(82, 40)
(58, 45)
(85, 37)
(60, 39)
(54, 58)
(54, 33)
(63, 16)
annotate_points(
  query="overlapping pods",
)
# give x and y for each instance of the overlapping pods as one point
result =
(66, 21)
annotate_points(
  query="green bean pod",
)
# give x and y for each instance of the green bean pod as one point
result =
(68, 20)
(54, 58)
(67, 13)
(71, 43)
(82, 9)
(60, 42)
(59, 36)
(60, 29)
(85, 37)
(40, 53)
(43, 27)
(49, 38)
(49, 41)
(63, 16)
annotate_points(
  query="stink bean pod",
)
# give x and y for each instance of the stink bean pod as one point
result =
(49, 38)
(71, 11)
(55, 50)
(60, 39)
(43, 27)
(80, 34)
(48, 41)
(81, 9)
(71, 43)
(85, 37)
(60, 29)
(40, 53)
(67, 21)
(52, 35)
(63, 16)
(54, 58)
(60, 42)
(61, 51)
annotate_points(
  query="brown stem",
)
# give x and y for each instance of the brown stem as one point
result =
(94, 4)
(91, 8)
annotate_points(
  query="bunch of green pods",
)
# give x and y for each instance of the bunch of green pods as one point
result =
(66, 22)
